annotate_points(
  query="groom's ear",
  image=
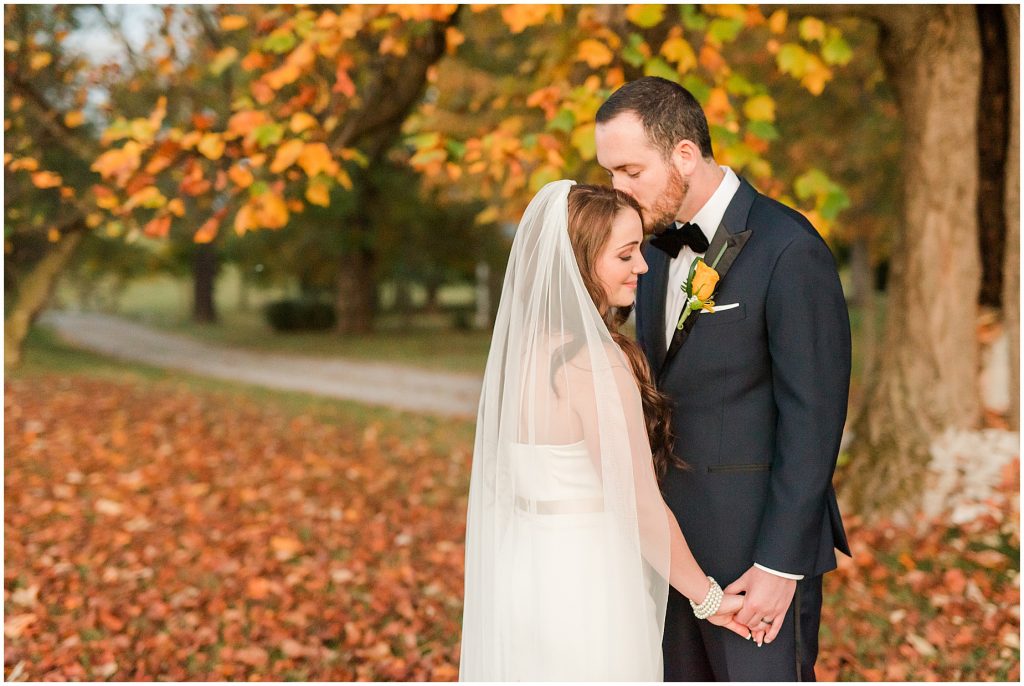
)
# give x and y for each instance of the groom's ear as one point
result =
(686, 156)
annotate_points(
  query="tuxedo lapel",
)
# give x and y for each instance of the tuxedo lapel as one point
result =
(732, 234)
(655, 283)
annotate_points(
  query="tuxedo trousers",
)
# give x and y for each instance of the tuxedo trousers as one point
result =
(697, 650)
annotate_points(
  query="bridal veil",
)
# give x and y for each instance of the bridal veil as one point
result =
(563, 502)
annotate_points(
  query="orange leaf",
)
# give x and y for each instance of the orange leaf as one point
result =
(301, 121)
(211, 146)
(158, 227)
(46, 179)
(240, 176)
(73, 119)
(286, 155)
(318, 193)
(594, 53)
(316, 158)
(233, 22)
(242, 123)
(342, 81)
(118, 163)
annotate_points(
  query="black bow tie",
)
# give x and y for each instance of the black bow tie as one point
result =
(671, 240)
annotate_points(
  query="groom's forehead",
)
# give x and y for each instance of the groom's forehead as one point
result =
(621, 139)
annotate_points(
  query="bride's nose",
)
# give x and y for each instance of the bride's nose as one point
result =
(641, 265)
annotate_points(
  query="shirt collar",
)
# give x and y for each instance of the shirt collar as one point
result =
(710, 215)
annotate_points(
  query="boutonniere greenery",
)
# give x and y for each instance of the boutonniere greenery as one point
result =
(700, 287)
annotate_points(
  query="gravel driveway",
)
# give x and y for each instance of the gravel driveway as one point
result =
(392, 385)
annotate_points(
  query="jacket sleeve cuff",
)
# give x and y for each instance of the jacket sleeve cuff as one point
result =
(784, 575)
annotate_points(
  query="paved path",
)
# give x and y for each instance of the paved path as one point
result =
(375, 383)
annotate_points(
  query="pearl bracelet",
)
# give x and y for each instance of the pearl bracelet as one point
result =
(711, 601)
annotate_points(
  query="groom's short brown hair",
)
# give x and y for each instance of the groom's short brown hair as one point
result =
(668, 111)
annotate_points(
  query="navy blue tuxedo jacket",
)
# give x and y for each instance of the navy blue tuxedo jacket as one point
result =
(760, 394)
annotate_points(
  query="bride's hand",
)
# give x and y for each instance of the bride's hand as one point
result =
(727, 609)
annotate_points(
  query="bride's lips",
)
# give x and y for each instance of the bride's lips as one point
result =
(630, 284)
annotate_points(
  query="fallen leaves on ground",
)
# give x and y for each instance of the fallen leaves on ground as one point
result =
(153, 532)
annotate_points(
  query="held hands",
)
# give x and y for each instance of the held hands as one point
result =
(765, 603)
(725, 616)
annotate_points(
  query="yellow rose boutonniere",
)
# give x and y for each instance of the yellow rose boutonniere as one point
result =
(699, 287)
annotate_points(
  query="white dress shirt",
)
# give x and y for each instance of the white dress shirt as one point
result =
(708, 219)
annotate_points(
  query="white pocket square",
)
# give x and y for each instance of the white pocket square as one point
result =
(719, 308)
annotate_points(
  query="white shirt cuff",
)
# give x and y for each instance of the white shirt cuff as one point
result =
(784, 575)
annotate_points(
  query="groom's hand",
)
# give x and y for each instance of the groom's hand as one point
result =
(767, 597)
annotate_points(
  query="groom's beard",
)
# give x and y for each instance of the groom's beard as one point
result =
(663, 214)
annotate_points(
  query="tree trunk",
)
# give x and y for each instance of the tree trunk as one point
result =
(862, 277)
(993, 126)
(1011, 273)
(204, 276)
(926, 380)
(356, 299)
(33, 295)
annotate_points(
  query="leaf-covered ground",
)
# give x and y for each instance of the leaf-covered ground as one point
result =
(153, 531)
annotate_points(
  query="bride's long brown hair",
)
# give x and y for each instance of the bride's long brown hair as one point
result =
(592, 210)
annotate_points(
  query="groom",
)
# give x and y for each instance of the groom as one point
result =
(759, 385)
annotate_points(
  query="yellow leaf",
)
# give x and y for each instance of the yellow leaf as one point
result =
(93, 220)
(149, 197)
(73, 119)
(286, 155)
(344, 179)
(46, 179)
(211, 146)
(812, 28)
(594, 53)
(760, 108)
(39, 60)
(488, 216)
(316, 158)
(583, 140)
(224, 59)
(777, 22)
(645, 16)
(233, 22)
(17, 102)
(816, 75)
(318, 193)
(176, 207)
(678, 50)
(301, 121)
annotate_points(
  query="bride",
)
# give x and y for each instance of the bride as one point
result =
(570, 548)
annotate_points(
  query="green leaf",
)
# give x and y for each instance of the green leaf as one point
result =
(456, 149)
(659, 67)
(836, 50)
(645, 16)
(835, 202)
(583, 140)
(810, 183)
(737, 85)
(268, 134)
(424, 140)
(631, 54)
(764, 130)
(700, 89)
(723, 136)
(542, 176)
(760, 108)
(564, 121)
(725, 30)
(692, 18)
(792, 59)
(280, 41)
(258, 188)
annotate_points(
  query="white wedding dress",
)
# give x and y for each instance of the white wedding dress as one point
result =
(567, 536)
(565, 612)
